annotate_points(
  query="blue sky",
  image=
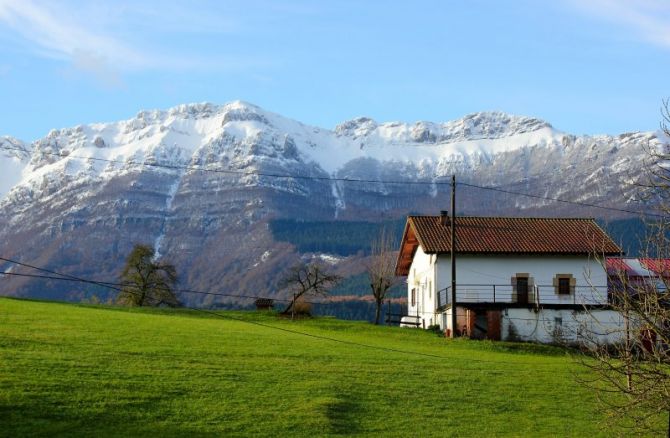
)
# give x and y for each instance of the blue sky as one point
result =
(596, 66)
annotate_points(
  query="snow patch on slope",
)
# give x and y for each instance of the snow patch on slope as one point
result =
(338, 194)
(169, 199)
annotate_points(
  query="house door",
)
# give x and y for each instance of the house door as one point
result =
(480, 327)
(522, 290)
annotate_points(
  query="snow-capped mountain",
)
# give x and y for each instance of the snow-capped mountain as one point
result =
(201, 181)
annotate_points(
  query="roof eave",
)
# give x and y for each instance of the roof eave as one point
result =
(400, 270)
(553, 253)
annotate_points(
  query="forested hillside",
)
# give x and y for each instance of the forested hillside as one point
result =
(345, 238)
(342, 238)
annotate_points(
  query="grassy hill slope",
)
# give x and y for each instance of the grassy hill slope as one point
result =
(70, 369)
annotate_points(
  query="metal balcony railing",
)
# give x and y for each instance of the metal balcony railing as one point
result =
(537, 295)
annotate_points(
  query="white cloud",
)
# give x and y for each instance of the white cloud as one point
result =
(59, 35)
(53, 34)
(95, 37)
(649, 20)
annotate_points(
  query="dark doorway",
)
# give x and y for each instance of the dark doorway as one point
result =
(484, 324)
(522, 290)
(493, 325)
(480, 329)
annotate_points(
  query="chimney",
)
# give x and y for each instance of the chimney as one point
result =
(444, 218)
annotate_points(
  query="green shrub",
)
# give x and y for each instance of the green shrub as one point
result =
(435, 328)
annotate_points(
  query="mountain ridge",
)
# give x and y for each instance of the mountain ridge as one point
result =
(201, 182)
(190, 127)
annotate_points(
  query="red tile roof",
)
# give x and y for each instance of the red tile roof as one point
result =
(617, 265)
(659, 266)
(637, 268)
(503, 235)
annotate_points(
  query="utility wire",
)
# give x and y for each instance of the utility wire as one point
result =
(300, 333)
(241, 172)
(377, 347)
(65, 277)
(564, 201)
(348, 180)
(122, 285)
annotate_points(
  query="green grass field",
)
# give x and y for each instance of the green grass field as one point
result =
(83, 370)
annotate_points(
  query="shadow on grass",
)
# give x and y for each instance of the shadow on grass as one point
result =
(524, 348)
(342, 414)
(49, 419)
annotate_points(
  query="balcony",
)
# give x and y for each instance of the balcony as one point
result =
(501, 295)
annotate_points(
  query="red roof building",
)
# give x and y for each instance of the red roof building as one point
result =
(503, 235)
(515, 278)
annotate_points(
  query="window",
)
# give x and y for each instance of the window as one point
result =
(564, 284)
(413, 297)
(558, 321)
(430, 289)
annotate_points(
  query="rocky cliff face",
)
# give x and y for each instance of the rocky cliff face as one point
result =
(201, 181)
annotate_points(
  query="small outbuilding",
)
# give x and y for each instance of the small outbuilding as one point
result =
(264, 303)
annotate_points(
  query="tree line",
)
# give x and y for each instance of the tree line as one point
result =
(148, 282)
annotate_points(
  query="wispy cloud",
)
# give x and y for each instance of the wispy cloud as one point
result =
(98, 66)
(52, 34)
(649, 20)
(106, 40)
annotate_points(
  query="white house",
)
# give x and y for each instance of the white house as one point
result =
(533, 279)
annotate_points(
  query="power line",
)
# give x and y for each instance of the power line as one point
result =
(564, 201)
(243, 173)
(376, 347)
(106, 283)
(346, 180)
(297, 332)
(61, 276)
(187, 291)
(122, 285)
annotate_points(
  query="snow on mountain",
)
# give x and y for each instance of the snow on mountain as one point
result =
(237, 134)
(491, 147)
(90, 192)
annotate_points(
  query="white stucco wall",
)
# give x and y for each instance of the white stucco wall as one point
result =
(422, 278)
(551, 325)
(487, 270)
(573, 326)
(476, 275)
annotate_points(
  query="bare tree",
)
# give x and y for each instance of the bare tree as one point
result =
(146, 282)
(381, 269)
(632, 376)
(307, 280)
